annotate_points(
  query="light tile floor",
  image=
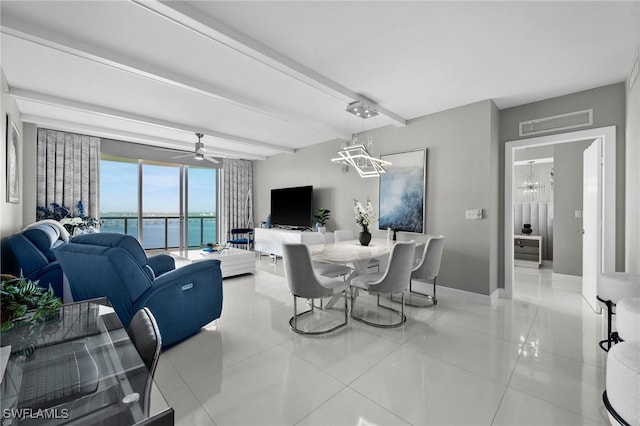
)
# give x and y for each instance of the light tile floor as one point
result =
(533, 360)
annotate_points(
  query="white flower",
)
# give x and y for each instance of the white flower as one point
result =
(364, 217)
(73, 221)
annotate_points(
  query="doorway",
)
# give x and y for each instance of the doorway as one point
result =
(608, 223)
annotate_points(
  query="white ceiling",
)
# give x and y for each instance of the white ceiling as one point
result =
(261, 78)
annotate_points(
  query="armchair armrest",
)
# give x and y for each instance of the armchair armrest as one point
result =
(184, 300)
(161, 263)
(49, 276)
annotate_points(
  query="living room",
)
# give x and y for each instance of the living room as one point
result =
(465, 145)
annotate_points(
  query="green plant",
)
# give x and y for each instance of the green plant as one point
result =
(321, 216)
(19, 296)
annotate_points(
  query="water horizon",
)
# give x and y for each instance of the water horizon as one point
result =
(201, 230)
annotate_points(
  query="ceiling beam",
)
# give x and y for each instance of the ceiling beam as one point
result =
(79, 49)
(29, 95)
(106, 132)
(207, 26)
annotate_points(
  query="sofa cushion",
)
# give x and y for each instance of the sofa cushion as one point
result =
(126, 242)
(45, 237)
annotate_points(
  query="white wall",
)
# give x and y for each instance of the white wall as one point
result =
(10, 213)
(632, 213)
(462, 173)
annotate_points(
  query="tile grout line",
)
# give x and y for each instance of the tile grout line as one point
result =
(515, 365)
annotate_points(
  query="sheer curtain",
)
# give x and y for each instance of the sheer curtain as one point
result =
(68, 170)
(236, 198)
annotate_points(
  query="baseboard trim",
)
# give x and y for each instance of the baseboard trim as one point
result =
(468, 296)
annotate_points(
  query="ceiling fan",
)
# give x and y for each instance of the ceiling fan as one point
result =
(200, 153)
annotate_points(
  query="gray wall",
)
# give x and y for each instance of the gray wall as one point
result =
(632, 262)
(608, 103)
(462, 173)
(533, 153)
(29, 143)
(567, 238)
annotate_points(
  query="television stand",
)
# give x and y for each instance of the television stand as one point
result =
(270, 240)
(291, 228)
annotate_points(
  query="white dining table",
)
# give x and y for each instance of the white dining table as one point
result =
(351, 252)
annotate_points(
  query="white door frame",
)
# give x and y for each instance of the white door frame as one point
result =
(608, 249)
(591, 220)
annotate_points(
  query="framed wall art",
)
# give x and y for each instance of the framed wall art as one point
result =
(403, 192)
(13, 161)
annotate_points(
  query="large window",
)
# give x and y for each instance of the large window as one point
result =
(149, 193)
(202, 206)
(119, 195)
(161, 211)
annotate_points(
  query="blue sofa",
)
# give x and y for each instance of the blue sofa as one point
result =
(33, 250)
(114, 265)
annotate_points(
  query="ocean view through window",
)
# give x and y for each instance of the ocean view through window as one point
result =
(119, 200)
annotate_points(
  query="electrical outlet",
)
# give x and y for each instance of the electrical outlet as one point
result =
(578, 214)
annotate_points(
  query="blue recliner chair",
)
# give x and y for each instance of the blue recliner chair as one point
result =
(114, 265)
(33, 250)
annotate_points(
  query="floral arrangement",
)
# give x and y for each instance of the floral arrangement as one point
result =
(73, 224)
(364, 216)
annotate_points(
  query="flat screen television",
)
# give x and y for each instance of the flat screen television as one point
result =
(292, 207)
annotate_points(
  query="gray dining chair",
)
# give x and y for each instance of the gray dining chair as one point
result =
(346, 235)
(305, 283)
(145, 336)
(427, 269)
(395, 279)
(331, 270)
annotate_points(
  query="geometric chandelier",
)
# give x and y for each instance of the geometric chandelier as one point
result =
(358, 157)
(356, 154)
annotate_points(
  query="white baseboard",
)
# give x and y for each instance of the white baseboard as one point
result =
(576, 278)
(469, 296)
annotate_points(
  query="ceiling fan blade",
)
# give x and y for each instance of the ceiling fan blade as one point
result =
(213, 160)
(168, 149)
(183, 156)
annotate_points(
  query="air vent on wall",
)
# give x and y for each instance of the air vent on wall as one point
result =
(557, 122)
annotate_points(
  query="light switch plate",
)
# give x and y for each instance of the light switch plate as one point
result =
(475, 214)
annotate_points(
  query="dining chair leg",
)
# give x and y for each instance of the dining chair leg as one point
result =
(430, 302)
(293, 321)
(346, 306)
(400, 313)
(295, 312)
(352, 296)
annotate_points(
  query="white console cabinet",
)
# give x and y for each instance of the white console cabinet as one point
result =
(269, 240)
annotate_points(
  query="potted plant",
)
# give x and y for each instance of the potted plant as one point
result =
(26, 309)
(321, 216)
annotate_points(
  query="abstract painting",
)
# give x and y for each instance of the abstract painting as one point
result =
(402, 192)
(13, 161)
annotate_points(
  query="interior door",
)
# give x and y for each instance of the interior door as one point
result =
(591, 222)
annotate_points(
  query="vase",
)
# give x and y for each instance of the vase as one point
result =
(526, 229)
(364, 237)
